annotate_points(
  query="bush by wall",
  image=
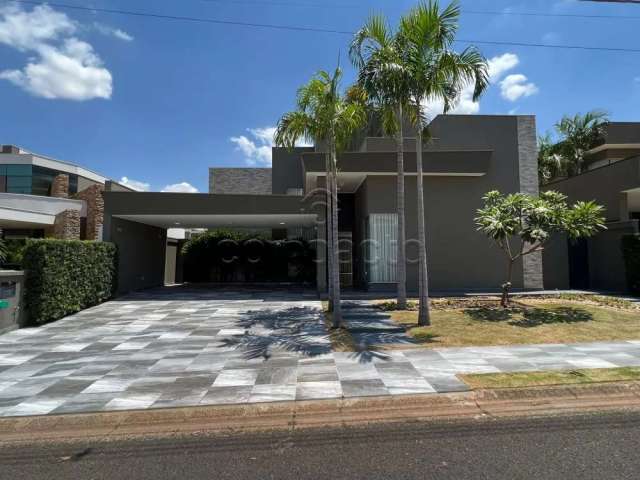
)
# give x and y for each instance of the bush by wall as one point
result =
(66, 276)
(226, 256)
(631, 253)
(14, 251)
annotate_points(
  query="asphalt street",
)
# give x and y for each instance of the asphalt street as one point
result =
(599, 446)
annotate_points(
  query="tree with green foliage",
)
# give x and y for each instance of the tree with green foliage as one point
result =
(551, 164)
(327, 117)
(579, 134)
(376, 51)
(436, 72)
(3, 251)
(522, 224)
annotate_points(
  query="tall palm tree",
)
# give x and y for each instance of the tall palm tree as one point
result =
(327, 117)
(579, 134)
(436, 72)
(550, 163)
(376, 52)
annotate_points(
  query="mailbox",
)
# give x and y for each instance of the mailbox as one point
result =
(11, 298)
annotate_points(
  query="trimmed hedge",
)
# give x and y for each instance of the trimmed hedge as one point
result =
(631, 253)
(226, 256)
(66, 276)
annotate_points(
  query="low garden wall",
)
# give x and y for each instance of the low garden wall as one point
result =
(66, 276)
(631, 252)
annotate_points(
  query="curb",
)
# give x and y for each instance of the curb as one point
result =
(228, 419)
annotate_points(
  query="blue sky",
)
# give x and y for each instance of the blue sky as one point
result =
(159, 101)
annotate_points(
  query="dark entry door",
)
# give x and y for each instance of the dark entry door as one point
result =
(579, 264)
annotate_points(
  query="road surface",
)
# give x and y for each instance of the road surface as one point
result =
(586, 447)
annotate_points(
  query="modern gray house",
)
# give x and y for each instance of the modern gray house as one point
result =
(612, 179)
(469, 155)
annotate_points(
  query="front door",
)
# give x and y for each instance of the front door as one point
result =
(579, 264)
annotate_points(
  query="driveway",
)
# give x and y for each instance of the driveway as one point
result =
(184, 347)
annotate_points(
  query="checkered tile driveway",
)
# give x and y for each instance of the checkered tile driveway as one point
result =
(180, 347)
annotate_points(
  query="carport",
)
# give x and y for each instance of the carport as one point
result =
(137, 222)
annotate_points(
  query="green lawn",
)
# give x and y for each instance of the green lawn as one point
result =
(537, 379)
(528, 321)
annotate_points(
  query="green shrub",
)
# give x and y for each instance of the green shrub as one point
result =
(631, 252)
(227, 256)
(14, 251)
(66, 276)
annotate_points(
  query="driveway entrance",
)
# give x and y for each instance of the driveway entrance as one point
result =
(169, 347)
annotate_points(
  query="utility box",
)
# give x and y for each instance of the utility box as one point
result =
(11, 300)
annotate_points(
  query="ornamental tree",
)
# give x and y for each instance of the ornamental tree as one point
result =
(522, 224)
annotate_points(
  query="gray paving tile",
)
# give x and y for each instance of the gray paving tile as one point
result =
(363, 388)
(165, 348)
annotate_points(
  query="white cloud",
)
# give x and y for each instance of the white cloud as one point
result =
(516, 86)
(182, 187)
(29, 30)
(257, 150)
(501, 64)
(63, 66)
(498, 66)
(135, 184)
(113, 32)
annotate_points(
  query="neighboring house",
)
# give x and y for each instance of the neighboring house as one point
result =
(44, 197)
(620, 140)
(612, 180)
(469, 156)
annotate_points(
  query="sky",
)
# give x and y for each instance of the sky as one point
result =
(154, 102)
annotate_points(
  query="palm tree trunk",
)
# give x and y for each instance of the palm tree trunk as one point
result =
(329, 231)
(424, 317)
(401, 256)
(337, 311)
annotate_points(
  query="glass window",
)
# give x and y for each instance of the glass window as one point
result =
(18, 182)
(3, 170)
(19, 170)
(381, 246)
(73, 184)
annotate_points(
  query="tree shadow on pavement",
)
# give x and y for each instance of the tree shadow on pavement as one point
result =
(297, 330)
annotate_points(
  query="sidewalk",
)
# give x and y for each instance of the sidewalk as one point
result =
(286, 376)
(230, 419)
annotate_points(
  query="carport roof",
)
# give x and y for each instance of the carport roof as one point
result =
(193, 210)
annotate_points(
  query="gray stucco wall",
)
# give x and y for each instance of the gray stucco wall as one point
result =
(141, 254)
(287, 169)
(459, 256)
(240, 181)
(605, 186)
(606, 263)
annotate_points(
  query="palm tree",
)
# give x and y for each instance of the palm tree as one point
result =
(327, 117)
(579, 134)
(550, 163)
(376, 52)
(436, 72)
